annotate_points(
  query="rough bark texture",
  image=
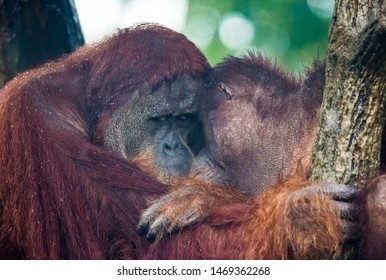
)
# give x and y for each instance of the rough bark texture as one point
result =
(35, 31)
(347, 146)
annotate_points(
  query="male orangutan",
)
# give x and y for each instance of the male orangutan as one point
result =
(70, 130)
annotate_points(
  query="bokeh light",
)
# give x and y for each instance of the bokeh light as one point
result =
(321, 8)
(202, 26)
(236, 31)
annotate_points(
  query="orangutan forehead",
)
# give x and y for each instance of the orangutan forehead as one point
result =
(255, 70)
(180, 96)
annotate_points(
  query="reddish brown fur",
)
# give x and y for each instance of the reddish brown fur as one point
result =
(373, 221)
(271, 226)
(63, 196)
(144, 160)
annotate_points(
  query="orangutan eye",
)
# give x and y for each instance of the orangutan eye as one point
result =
(225, 90)
(182, 117)
(158, 120)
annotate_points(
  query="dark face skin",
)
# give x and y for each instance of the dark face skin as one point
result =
(163, 123)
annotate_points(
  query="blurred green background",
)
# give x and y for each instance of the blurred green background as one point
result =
(286, 31)
(291, 32)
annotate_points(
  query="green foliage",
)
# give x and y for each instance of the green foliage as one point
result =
(286, 31)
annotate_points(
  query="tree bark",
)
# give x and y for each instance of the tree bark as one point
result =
(347, 146)
(35, 31)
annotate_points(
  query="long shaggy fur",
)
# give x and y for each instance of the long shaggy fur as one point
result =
(274, 225)
(62, 195)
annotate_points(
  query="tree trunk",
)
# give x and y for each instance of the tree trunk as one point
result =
(35, 31)
(347, 146)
